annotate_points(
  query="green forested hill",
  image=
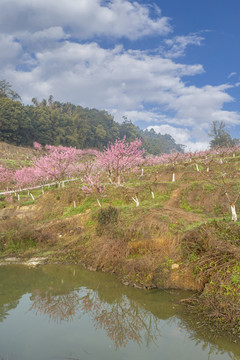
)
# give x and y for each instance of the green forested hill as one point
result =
(55, 123)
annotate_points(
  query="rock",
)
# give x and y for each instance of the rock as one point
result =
(10, 260)
(35, 261)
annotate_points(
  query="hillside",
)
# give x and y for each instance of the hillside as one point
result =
(179, 236)
(55, 123)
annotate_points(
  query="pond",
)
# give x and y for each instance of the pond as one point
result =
(66, 312)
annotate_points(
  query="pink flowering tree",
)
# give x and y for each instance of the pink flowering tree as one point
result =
(37, 146)
(6, 176)
(59, 164)
(27, 176)
(88, 165)
(120, 157)
(92, 184)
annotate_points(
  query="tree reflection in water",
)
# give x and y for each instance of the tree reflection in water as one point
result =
(62, 307)
(123, 320)
(65, 293)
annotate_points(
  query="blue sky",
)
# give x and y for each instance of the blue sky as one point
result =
(168, 64)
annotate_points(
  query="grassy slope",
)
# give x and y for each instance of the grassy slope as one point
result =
(183, 238)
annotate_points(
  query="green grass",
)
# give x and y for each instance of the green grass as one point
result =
(19, 246)
(10, 163)
(28, 202)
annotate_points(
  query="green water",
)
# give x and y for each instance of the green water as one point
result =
(66, 312)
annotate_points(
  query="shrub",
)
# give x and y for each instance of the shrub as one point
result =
(107, 216)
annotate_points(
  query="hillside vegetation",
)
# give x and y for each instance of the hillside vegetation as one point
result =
(164, 222)
(55, 123)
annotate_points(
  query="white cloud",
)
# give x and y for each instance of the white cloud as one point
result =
(41, 40)
(85, 68)
(143, 115)
(181, 136)
(176, 46)
(127, 81)
(86, 18)
(232, 74)
(204, 105)
(191, 146)
(9, 51)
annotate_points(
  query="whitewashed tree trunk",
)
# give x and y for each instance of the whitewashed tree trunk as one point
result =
(32, 196)
(208, 169)
(18, 197)
(234, 214)
(42, 191)
(136, 201)
(118, 180)
(142, 172)
(173, 177)
(74, 204)
(220, 161)
(197, 167)
(233, 155)
(152, 193)
(99, 203)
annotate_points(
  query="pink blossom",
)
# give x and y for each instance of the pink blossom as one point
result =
(120, 157)
(37, 146)
(92, 184)
(6, 176)
(26, 176)
(58, 164)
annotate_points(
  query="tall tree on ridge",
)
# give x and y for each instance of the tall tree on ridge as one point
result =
(221, 137)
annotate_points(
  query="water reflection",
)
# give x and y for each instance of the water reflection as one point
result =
(58, 308)
(62, 294)
(123, 320)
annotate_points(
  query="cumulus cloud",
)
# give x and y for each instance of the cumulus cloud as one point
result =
(41, 40)
(125, 80)
(120, 78)
(181, 136)
(10, 51)
(85, 18)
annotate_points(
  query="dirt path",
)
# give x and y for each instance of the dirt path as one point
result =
(171, 206)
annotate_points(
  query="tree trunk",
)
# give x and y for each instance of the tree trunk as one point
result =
(136, 200)
(234, 214)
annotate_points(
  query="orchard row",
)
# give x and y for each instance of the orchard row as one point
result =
(94, 168)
